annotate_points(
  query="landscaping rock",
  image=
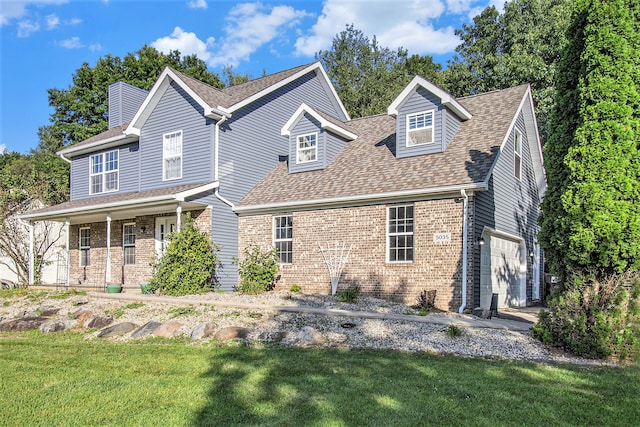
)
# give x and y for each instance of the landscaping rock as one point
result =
(146, 329)
(231, 333)
(23, 324)
(57, 325)
(98, 321)
(168, 330)
(48, 311)
(117, 330)
(81, 315)
(276, 336)
(203, 330)
(482, 313)
(309, 335)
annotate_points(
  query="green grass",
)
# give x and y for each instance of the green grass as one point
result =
(119, 312)
(63, 379)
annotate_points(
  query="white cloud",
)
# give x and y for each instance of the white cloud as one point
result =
(3, 148)
(74, 21)
(250, 26)
(396, 24)
(95, 47)
(187, 43)
(458, 6)
(197, 4)
(52, 21)
(16, 9)
(72, 43)
(25, 28)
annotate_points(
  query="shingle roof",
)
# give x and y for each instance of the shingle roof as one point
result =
(108, 134)
(367, 166)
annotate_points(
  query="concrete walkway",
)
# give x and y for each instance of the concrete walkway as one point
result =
(516, 321)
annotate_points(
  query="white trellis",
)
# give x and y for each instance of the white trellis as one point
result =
(335, 257)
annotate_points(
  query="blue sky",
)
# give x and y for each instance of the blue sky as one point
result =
(43, 42)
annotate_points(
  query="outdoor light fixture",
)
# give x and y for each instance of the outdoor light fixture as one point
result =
(143, 229)
(481, 241)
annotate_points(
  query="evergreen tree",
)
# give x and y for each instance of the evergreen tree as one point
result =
(591, 211)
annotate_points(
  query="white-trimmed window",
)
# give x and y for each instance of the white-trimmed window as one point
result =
(307, 148)
(400, 233)
(283, 238)
(84, 245)
(420, 128)
(172, 156)
(517, 165)
(103, 172)
(129, 244)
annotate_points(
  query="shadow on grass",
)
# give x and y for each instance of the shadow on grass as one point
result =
(292, 386)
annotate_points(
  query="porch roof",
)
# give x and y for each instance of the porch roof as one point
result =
(123, 205)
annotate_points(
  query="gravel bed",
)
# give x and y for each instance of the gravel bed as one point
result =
(268, 326)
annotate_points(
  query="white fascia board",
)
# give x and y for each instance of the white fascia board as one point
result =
(195, 191)
(281, 83)
(324, 123)
(451, 190)
(156, 93)
(448, 100)
(503, 234)
(102, 144)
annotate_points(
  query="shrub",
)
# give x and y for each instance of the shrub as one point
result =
(295, 288)
(188, 265)
(454, 331)
(594, 317)
(257, 270)
(426, 301)
(349, 295)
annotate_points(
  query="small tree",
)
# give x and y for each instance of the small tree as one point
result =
(189, 263)
(257, 269)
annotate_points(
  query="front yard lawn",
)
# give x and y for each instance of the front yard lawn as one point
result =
(67, 380)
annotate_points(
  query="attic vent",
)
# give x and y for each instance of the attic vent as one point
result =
(420, 128)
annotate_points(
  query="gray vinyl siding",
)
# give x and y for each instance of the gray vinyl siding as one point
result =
(124, 102)
(334, 144)
(452, 124)
(176, 111)
(127, 172)
(307, 125)
(420, 101)
(510, 205)
(250, 147)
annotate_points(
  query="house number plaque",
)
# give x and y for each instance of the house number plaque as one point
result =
(442, 237)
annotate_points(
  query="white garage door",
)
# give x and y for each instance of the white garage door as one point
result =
(500, 272)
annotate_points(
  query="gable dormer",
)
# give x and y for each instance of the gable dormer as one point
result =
(427, 118)
(124, 101)
(314, 138)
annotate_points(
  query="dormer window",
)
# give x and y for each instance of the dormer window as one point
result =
(307, 148)
(420, 128)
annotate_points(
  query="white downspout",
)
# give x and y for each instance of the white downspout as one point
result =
(108, 263)
(465, 228)
(67, 224)
(64, 158)
(216, 173)
(178, 217)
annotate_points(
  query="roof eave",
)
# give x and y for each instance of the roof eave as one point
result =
(114, 141)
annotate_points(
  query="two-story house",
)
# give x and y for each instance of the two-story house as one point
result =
(439, 194)
(184, 146)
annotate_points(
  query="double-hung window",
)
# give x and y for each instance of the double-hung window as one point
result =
(172, 156)
(283, 238)
(420, 128)
(517, 166)
(129, 244)
(104, 172)
(400, 233)
(84, 246)
(307, 148)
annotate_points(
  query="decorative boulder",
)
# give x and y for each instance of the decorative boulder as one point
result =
(57, 325)
(231, 333)
(168, 330)
(146, 329)
(98, 321)
(47, 311)
(309, 335)
(482, 313)
(117, 330)
(23, 324)
(203, 330)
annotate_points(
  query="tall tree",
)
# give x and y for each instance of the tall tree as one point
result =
(591, 211)
(367, 76)
(81, 111)
(521, 45)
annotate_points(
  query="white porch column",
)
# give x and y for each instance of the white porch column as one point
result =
(67, 225)
(108, 263)
(31, 254)
(178, 217)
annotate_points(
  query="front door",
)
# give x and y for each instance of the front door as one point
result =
(164, 226)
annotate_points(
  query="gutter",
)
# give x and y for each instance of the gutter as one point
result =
(64, 158)
(465, 230)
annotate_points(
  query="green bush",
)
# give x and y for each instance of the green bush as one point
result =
(349, 295)
(257, 270)
(592, 317)
(295, 288)
(454, 331)
(188, 265)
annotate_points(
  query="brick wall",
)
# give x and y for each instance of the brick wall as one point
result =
(130, 276)
(435, 266)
